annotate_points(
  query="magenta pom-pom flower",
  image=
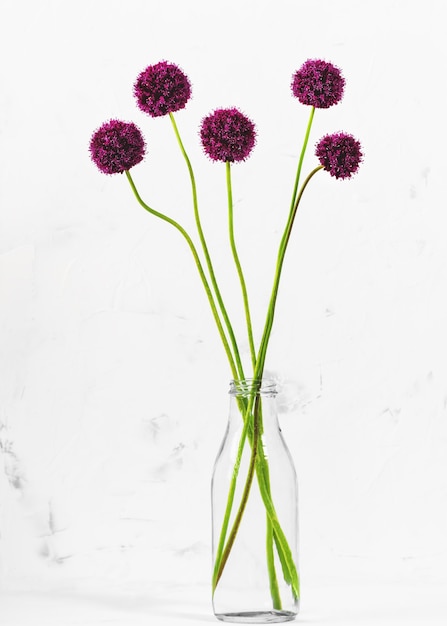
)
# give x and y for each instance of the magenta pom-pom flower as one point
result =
(227, 135)
(117, 146)
(161, 89)
(318, 83)
(340, 154)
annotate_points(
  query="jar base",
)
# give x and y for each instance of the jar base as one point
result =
(257, 617)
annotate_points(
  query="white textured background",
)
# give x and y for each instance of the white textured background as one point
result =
(112, 379)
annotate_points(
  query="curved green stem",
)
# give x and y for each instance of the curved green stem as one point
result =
(203, 278)
(238, 264)
(260, 361)
(206, 252)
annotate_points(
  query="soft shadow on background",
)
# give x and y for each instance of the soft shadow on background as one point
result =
(113, 392)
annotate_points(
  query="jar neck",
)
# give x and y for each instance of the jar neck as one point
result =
(260, 395)
(264, 387)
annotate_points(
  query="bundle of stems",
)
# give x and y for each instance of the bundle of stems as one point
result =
(250, 406)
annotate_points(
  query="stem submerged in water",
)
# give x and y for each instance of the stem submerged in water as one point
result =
(245, 494)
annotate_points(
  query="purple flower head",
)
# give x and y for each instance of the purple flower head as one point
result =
(340, 154)
(161, 89)
(227, 135)
(318, 83)
(117, 146)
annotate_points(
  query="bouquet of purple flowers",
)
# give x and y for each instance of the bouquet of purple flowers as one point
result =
(229, 136)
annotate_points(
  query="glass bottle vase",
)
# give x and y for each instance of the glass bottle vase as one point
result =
(254, 513)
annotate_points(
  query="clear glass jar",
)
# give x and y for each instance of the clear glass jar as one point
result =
(254, 513)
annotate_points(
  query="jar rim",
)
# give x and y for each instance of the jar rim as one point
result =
(250, 386)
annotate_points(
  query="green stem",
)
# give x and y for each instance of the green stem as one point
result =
(301, 159)
(280, 540)
(206, 252)
(282, 546)
(245, 494)
(238, 264)
(260, 361)
(242, 440)
(274, 589)
(296, 197)
(192, 247)
(230, 498)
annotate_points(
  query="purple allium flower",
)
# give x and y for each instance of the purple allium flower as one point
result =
(227, 135)
(117, 146)
(340, 154)
(161, 89)
(318, 83)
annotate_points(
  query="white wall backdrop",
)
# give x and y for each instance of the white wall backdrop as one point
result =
(113, 381)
